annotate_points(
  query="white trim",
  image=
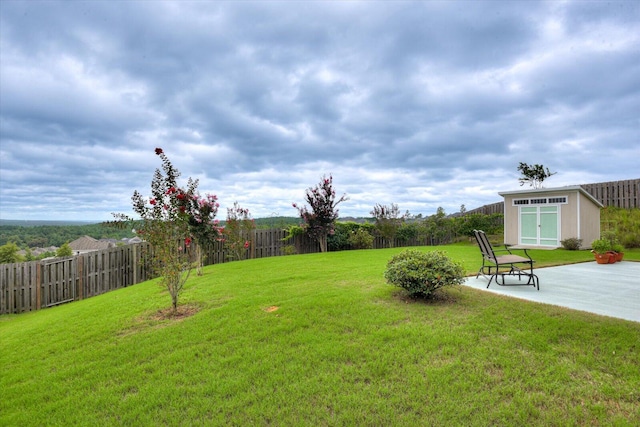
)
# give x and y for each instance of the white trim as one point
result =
(578, 217)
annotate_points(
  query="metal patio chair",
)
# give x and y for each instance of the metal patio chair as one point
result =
(509, 264)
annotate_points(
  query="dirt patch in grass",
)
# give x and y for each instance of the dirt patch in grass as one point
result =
(271, 309)
(180, 313)
(160, 319)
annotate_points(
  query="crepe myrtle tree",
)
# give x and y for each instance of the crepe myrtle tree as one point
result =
(533, 174)
(170, 220)
(320, 217)
(203, 225)
(388, 221)
(237, 230)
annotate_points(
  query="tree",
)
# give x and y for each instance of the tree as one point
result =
(202, 224)
(320, 219)
(533, 174)
(388, 221)
(9, 253)
(237, 230)
(170, 219)
(64, 250)
(439, 227)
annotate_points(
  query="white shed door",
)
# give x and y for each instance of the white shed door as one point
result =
(539, 225)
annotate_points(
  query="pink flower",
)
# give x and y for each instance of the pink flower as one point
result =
(187, 241)
(246, 244)
(152, 201)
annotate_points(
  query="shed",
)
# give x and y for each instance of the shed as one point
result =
(543, 217)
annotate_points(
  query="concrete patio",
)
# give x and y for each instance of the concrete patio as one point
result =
(606, 289)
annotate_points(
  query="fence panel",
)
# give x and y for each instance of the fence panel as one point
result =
(621, 194)
(18, 287)
(58, 281)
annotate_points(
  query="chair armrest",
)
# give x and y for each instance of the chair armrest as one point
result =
(507, 246)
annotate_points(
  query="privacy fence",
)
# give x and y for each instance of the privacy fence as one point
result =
(34, 285)
(620, 194)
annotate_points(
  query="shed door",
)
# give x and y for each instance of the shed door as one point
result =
(539, 225)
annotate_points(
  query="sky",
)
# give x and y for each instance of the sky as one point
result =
(420, 104)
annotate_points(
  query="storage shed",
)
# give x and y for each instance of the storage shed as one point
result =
(543, 217)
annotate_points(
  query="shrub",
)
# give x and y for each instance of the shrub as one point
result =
(631, 240)
(361, 239)
(289, 250)
(339, 240)
(9, 253)
(423, 273)
(408, 231)
(64, 250)
(571, 244)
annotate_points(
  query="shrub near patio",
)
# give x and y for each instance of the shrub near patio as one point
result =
(421, 274)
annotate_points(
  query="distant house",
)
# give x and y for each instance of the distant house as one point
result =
(86, 244)
(132, 240)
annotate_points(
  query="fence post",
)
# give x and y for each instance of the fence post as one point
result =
(39, 286)
(80, 264)
(134, 257)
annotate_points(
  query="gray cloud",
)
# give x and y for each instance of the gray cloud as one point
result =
(423, 104)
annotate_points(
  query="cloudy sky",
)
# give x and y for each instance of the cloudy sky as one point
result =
(423, 104)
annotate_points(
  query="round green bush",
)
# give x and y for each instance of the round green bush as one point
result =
(571, 244)
(423, 273)
(361, 239)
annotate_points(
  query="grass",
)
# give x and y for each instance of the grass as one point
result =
(319, 340)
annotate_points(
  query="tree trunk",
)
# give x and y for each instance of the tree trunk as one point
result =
(323, 243)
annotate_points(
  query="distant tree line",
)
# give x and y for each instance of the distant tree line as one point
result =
(56, 235)
(43, 236)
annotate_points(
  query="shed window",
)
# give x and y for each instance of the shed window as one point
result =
(562, 199)
(541, 201)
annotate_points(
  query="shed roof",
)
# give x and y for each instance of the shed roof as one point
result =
(555, 190)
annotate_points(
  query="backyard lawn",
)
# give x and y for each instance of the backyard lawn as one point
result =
(319, 339)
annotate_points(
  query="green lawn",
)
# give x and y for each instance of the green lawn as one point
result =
(319, 340)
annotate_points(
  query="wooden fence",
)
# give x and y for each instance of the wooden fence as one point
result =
(621, 194)
(34, 285)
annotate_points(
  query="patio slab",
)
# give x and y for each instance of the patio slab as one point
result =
(606, 289)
